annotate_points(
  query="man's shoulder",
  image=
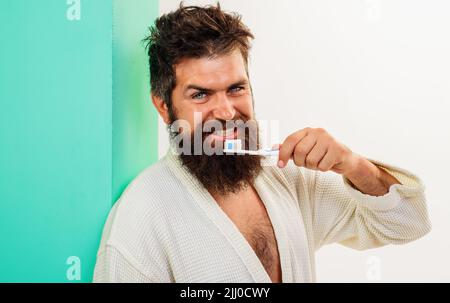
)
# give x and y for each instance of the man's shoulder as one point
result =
(152, 178)
(150, 189)
(141, 209)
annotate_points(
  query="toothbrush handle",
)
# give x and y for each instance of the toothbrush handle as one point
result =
(261, 152)
(269, 152)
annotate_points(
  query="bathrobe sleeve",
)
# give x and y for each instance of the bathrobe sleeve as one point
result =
(340, 213)
(113, 267)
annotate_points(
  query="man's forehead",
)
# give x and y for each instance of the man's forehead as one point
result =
(212, 73)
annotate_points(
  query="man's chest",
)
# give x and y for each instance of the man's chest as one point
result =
(251, 218)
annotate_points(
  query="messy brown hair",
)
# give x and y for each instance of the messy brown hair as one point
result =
(191, 32)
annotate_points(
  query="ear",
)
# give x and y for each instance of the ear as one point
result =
(161, 107)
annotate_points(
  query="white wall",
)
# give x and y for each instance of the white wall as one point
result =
(376, 75)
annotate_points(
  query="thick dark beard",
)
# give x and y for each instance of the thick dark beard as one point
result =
(223, 174)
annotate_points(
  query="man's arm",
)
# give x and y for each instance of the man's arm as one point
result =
(113, 267)
(342, 214)
(384, 205)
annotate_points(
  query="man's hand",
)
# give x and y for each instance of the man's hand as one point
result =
(315, 149)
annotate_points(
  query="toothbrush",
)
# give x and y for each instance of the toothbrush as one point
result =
(235, 146)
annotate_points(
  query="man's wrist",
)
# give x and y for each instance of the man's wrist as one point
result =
(369, 178)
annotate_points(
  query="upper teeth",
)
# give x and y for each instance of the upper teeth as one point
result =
(226, 132)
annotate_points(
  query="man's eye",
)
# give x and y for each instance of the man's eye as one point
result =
(200, 95)
(236, 89)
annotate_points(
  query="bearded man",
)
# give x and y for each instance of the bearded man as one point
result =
(202, 216)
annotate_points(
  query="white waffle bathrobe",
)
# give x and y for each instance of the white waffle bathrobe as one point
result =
(166, 227)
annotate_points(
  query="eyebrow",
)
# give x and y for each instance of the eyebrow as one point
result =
(204, 89)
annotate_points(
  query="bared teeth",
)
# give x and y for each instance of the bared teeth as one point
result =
(227, 132)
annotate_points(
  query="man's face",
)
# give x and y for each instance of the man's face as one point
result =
(217, 88)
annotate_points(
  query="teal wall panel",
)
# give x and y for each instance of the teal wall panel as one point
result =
(135, 119)
(69, 139)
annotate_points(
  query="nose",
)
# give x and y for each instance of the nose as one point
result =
(224, 109)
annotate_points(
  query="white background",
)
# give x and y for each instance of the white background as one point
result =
(376, 75)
